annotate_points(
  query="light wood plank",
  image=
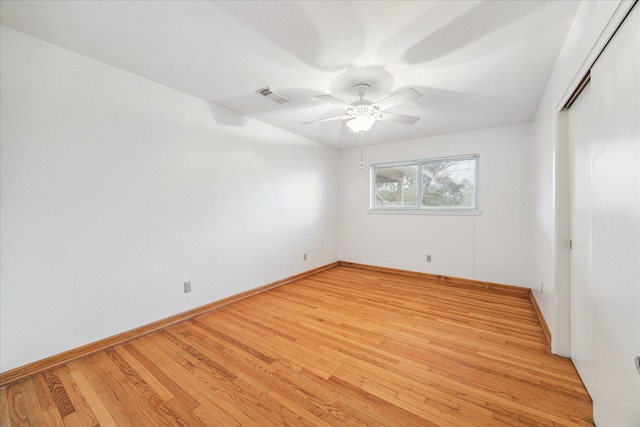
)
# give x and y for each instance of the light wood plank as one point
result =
(82, 411)
(127, 405)
(5, 416)
(94, 401)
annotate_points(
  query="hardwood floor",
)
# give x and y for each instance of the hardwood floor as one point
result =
(343, 347)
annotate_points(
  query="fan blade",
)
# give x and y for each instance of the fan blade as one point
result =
(397, 99)
(397, 118)
(346, 116)
(333, 100)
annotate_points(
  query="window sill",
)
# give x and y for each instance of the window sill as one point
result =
(446, 212)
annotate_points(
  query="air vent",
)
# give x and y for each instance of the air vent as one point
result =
(270, 93)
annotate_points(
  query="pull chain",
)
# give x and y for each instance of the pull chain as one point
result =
(361, 148)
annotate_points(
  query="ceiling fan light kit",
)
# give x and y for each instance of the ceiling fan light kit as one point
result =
(361, 124)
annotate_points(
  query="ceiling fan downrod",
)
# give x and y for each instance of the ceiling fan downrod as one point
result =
(361, 89)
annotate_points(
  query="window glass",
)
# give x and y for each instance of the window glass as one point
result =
(449, 184)
(396, 187)
(444, 183)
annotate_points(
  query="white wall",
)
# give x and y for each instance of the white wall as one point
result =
(550, 225)
(494, 247)
(116, 190)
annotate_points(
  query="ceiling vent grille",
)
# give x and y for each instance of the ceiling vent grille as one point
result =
(270, 93)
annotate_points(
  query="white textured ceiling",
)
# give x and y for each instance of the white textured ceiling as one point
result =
(476, 63)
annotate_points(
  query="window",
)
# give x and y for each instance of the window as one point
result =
(431, 184)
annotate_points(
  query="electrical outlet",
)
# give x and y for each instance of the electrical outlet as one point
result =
(428, 258)
(542, 287)
(305, 257)
(187, 287)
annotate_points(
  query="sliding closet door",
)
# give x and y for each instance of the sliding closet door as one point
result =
(615, 90)
(580, 134)
(604, 135)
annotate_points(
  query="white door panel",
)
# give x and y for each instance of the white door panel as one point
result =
(580, 134)
(615, 93)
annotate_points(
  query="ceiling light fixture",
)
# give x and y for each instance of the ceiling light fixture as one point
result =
(361, 123)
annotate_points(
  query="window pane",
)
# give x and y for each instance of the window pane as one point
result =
(395, 187)
(449, 183)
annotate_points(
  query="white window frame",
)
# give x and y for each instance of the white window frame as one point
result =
(419, 209)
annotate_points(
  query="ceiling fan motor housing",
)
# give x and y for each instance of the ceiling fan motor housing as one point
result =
(362, 108)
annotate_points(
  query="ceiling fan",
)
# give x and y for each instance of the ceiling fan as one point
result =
(364, 113)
